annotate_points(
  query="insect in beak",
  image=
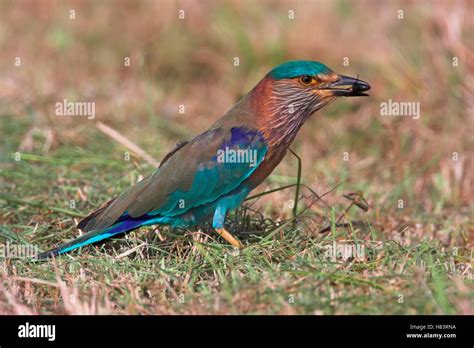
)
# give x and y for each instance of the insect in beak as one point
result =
(346, 86)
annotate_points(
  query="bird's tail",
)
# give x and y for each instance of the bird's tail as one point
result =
(92, 237)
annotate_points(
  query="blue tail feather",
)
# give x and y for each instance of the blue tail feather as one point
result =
(93, 237)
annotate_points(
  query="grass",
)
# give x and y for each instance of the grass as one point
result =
(283, 269)
(416, 237)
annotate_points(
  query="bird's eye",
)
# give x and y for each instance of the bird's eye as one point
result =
(306, 79)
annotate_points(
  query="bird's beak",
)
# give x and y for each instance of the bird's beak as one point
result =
(346, 86)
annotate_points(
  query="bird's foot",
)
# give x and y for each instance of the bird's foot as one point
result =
(229, 237)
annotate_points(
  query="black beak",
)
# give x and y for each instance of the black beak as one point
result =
(347, 87)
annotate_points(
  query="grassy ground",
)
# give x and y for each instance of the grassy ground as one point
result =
(416, 238)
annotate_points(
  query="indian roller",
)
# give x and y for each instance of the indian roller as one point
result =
(203, 179)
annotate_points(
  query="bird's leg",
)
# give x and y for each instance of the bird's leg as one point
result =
(229, 237)
(218, 224)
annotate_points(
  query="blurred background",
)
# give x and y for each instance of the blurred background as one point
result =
(163, 71)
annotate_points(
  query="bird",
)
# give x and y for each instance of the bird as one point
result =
(201, 180)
